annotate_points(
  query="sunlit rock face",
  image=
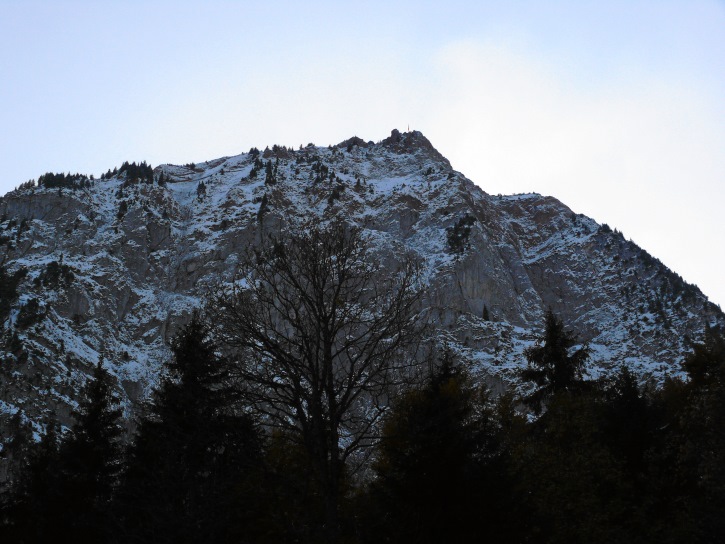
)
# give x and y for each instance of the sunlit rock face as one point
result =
(137, 256)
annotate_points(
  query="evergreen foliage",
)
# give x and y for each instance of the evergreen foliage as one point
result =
(17, 448)
(263, 205)
(67, 483)
(9, 289)
(122, 209)
(30, 313)
(439, 467)
(63, 181)
(256, 166)
(576, 488)
(551, 367)
(699, 438)
(137, 172)
(33, 507)
(706, 365)
(91, 460)
(192, 466)
(321, 171)
(608, 461)
(55, 275)
(26, 185)
(629, 421)
(270, 172)
(458, 234)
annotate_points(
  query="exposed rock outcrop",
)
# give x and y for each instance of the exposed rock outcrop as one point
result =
(143, 255)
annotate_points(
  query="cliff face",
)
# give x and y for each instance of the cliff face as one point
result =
(114, 268)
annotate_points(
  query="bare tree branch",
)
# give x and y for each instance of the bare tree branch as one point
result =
(321, 334)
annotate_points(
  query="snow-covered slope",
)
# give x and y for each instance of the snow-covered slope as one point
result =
(115, 267)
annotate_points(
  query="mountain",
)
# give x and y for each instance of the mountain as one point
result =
(113, 267)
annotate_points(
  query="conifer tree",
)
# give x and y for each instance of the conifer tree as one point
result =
(705, 366)
(439, 472)
(194, 456)
(575, 486)
(551, 367)
(91, 459)
(35, 507)
(17, 449)
(628, 421)
(67, 483)
(699, 439)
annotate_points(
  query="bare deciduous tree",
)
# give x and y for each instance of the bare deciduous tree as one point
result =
(323, 335)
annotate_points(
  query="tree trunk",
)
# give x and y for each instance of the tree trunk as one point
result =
(332, 500)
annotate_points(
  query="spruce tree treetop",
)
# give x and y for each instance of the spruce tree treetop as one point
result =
(94, 449)
(551, 365)
(706, 364)
(194, 454)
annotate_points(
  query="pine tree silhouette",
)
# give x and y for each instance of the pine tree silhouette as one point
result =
(194, 455)
(551, 367)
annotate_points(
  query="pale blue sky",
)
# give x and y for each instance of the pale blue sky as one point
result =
(616, 108)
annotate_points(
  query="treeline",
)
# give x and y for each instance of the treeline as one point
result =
(608, 461)
(64, 181)
(292, 412)
(134, 173)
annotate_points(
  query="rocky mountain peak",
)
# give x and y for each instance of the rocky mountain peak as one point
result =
(113, 267)
(411, 142)
(354, 141)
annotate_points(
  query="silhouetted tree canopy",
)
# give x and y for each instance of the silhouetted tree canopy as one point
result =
(551, 365)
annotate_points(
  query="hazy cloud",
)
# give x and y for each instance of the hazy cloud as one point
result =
(643, 153)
